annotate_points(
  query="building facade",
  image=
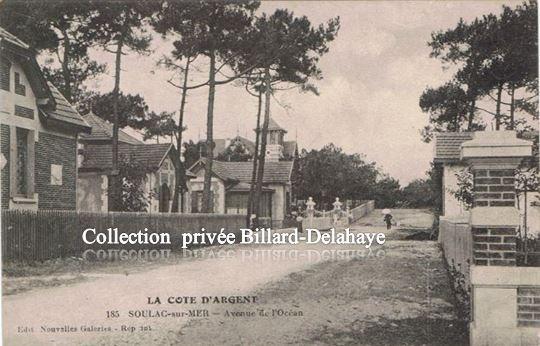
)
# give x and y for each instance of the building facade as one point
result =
(95, 168)
(231, 184)
(38, 134)
(232, 171)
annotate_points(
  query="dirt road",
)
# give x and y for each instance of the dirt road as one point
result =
(306, 294)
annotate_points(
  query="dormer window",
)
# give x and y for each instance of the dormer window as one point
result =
(20, 89)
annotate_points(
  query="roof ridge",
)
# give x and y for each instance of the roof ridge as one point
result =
(273, 125)
(107, 127)
(101, 123)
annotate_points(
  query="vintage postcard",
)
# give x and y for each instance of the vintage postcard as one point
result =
(219, 172)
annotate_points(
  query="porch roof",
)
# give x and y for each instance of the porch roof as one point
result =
(448, 145)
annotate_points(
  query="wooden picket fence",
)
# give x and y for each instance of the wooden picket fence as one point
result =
(46, 234)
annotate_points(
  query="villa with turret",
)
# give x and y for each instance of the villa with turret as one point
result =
(231, 179)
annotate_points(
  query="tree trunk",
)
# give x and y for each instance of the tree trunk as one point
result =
(471, 115)
(250, 207)
(180, 174)
(65, 68)
(115, 178)
(264, 133)
(498, 109)
(512, 106)
(207, 202)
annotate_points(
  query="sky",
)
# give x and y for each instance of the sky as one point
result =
(373, 76)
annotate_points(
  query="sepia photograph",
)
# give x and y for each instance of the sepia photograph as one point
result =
(245, 172)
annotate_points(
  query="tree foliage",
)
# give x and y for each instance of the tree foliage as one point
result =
(386, 192)
(418, 194)
(329, 173)
(63, 29)
(283, 50)
(193, 152)
(123, 29)
(133, 111)
(464, 192)
(496, 58)
(133, 195)
(236, 152)
(161, 125)
(449, 109)
(215, 30)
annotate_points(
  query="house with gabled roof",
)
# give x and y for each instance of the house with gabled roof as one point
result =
(95, 168)
(231, 184)
(38, 132)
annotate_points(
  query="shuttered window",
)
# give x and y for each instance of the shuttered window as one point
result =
(5, 69)
(20, 89)
(24, 112)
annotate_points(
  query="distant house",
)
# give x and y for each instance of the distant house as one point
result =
(231, 184)
(39, 130)
(231, 180)
(277, 147)
(95, 168)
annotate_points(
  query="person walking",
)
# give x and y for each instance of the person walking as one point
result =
(388, 218)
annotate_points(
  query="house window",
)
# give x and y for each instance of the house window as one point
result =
(272, 139)
(166, 175)
(80, 154)
(164, 178)
(56, 174)
(22, 161)
(236, 203)
(5, 68)
(196, 201)
(164, 186)
(20, 89)
(21, 166)
(24, 112)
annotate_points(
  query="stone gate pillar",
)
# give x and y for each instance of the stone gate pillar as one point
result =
(493, 157)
